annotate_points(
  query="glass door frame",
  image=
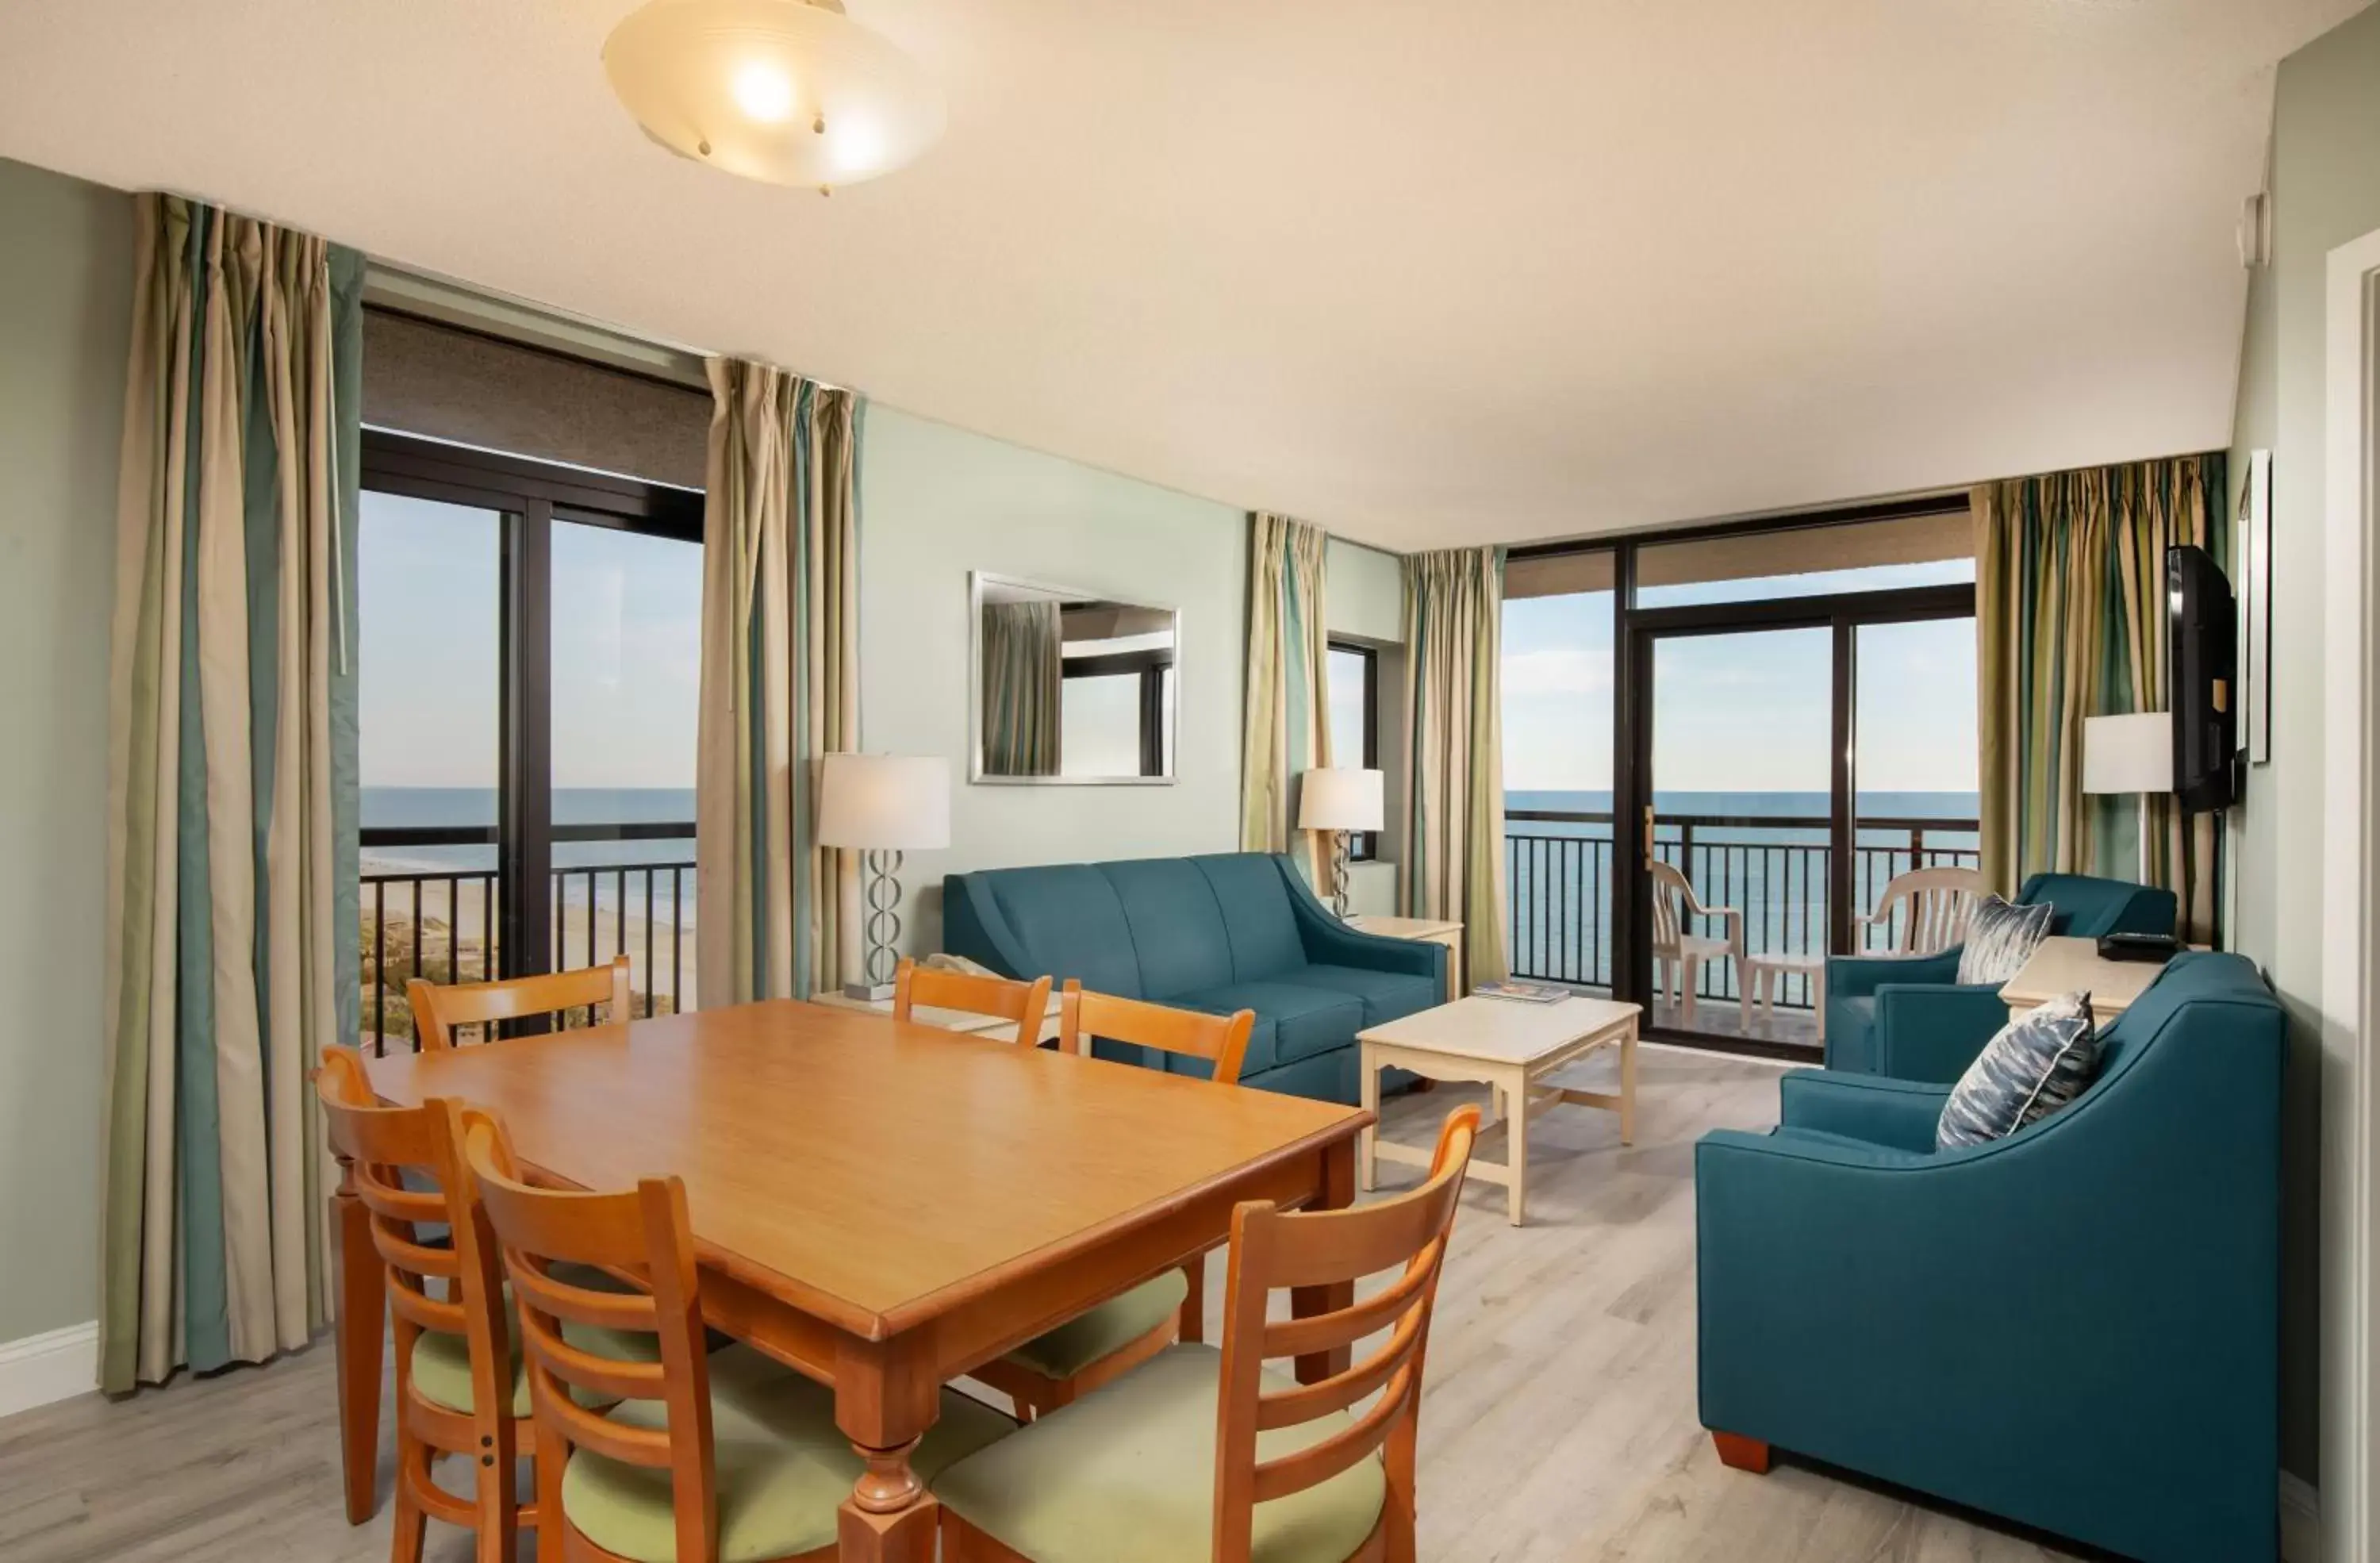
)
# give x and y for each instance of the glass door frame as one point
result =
(531, 496)
(1638, 634)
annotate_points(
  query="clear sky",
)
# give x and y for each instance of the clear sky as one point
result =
(627, 614)
(1740, 713)
(1734, 713)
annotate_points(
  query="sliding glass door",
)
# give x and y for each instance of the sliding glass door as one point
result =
(529, 648)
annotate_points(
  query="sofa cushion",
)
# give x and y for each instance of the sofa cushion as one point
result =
(1303, 1021)
(1386, 995)
(1176, 924)
(1256, 916)
(1071, 923)
(2002, 937)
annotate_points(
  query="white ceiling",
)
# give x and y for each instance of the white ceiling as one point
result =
(1425, 273)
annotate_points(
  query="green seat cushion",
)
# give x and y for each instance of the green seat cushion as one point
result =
(782, 1468)
(442, 1372)
(1113, 1325)
(1126, 1474)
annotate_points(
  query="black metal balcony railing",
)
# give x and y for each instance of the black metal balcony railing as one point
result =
(1559, 881)
(442, 923)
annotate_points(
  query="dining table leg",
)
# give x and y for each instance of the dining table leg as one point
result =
(1337, 1193)
(884, 1406)
(362, 1305)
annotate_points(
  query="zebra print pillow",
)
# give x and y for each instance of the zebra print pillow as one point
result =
(2040, 1061)
(2001, 938)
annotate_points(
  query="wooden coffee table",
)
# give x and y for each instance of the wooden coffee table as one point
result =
(1508, 1045)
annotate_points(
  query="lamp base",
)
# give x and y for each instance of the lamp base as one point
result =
(868, 992)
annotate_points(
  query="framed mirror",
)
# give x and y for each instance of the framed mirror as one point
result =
(1069, 687)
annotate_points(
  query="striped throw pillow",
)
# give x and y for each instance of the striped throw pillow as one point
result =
(2041, 1061)
(2001, 938)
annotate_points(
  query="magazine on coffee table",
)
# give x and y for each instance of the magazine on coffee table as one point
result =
(1527, 992)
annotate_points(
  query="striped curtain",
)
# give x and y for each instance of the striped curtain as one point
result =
(1288, 709)
(230, 952)
(1453, 829)
(1023, 684)
(2071, 623)
(779, 915)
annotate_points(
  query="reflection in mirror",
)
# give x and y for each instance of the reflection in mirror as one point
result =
(1071, 685)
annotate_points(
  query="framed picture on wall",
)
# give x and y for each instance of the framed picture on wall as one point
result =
(2254, 580)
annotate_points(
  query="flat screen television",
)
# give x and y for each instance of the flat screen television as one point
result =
(2201, 646)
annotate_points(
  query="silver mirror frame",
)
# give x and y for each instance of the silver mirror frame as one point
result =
(976, 581)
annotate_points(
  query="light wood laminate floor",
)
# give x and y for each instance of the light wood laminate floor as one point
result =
(1559, 1426)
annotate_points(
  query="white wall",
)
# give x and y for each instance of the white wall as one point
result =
(65, 297)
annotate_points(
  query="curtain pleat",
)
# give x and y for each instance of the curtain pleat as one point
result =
(230, 790)
(1452, 829)
(778, 914)
(1024, 685)
(2071, 624)
(1287, 711)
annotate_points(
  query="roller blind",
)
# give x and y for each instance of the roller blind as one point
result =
(444, 383)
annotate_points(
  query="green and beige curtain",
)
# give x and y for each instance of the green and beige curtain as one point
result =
(1288, 709)
(1453, 827)
(1024, 685)
(779, 915)
(230, 946)
(2071, 623)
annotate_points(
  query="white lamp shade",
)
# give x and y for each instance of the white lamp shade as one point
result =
(2128, 754)
(1339, 799)
(788, 91)
(884, 803)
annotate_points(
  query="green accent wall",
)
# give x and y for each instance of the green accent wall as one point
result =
(2324, 186)
(66, 300)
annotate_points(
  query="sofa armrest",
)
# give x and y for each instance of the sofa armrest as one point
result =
(1899, 1114)
(1858, 977)
(1329, 942)
(973, 927)
(1932, 1032)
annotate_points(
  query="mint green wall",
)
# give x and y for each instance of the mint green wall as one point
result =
(65, 294)
(2325, 191)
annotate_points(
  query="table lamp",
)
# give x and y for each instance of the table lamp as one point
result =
(1341, 801)
(884, 805)
(2129, 753)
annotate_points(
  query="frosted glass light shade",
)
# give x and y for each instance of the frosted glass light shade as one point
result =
(884, 803)
(785, 91)
(1340, 799)
(2128, 754)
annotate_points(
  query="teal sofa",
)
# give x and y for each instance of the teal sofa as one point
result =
(1233, 931)
(1910, 1018)
(2075, 1327)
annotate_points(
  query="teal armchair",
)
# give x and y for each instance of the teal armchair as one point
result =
(2075, 1327)
(1910, 1017)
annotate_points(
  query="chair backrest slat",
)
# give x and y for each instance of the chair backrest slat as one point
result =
(1927, 908)
(1222, 1041)
(1669, 913)
(1272, 1250)
(437, 1009)
(1024, 1003)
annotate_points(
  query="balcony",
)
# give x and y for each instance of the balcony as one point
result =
(441, 924)
(1774, 868)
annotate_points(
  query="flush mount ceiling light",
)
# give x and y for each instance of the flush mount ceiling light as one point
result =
(787, 91)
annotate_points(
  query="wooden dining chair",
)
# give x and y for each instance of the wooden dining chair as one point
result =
(702, 1457)
(438, 1009)
(1933, 905)
(1208, 1457)
(458, 1390)
(1026, 1004)
(1122, 1333)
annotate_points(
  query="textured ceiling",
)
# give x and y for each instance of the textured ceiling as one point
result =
(1427, 275)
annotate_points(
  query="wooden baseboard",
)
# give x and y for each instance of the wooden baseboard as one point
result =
(42, 1369)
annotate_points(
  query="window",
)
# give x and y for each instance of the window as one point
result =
(1915, 551)
(1354, 716)
(530, 659)
(1117, 689)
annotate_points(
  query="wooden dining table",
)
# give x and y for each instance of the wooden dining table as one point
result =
(880, 1205)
